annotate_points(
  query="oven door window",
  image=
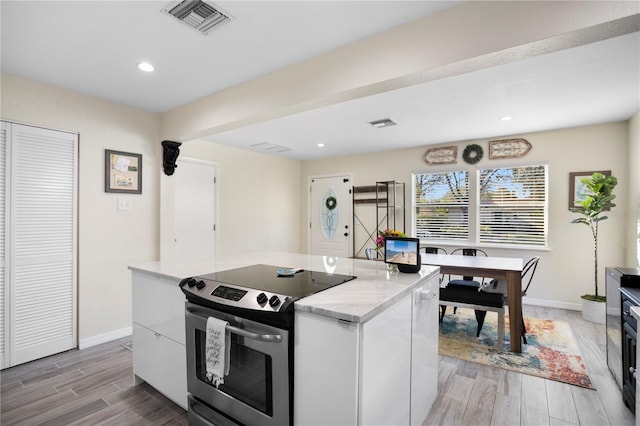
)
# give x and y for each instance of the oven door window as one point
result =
(249, 379)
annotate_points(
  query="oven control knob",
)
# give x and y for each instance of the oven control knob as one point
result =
(274, 301)
(262, 299)
(191, 282)
(200, 285)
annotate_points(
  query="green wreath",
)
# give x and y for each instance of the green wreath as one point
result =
(472, 154)
(331, 203)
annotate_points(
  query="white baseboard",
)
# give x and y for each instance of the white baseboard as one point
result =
(552, 304)
(104, 338)
(563, 305)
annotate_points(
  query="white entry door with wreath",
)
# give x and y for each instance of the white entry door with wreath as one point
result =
(330, 216)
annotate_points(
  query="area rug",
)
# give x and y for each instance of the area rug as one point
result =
(551, 351)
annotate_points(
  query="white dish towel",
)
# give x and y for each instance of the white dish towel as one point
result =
(217, 349)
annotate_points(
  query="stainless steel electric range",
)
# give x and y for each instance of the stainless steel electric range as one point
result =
(257, 302)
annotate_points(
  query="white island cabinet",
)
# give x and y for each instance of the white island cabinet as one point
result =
(382, 371)
(365, 352)
(159, 356)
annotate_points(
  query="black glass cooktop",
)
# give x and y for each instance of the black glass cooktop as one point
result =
(265, 278)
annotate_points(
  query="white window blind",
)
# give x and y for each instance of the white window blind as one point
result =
(513, 205)
(442, 206)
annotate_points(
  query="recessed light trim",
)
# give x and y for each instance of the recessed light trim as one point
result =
(320, 145)
(384, 122)
(146, 67)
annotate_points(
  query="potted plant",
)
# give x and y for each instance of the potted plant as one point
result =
(598, 197)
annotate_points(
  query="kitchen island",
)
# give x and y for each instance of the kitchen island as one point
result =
(360, 347)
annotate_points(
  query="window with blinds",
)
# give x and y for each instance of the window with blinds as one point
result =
(513, 205)
(442, 206)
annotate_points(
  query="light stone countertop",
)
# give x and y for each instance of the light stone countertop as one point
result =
(374, 290)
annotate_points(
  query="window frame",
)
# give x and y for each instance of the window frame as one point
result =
(470, 209)
(474, 207)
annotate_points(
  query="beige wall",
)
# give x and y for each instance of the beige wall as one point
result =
(262, 199)
(258, 198)
(565, 271)
(108, 240)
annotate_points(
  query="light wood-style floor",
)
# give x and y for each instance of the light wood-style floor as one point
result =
(95, 386)
(473, 394)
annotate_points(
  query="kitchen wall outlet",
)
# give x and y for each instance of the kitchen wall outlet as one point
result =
(124, 204)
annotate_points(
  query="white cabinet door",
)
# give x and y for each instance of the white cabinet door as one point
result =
(385, 367)
(424, 351)
(158, 304)
(161, 362)
(326, 371)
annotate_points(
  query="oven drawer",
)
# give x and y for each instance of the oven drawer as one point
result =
(200, 414)
(161, 362)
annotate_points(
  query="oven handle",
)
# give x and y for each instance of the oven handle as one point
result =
(245, 333)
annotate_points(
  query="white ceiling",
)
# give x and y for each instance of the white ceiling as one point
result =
(93, 47)
(596, 83)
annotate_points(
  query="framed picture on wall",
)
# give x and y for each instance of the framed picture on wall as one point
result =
(577, 188)
(122, 172)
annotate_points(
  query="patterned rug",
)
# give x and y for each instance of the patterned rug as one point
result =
(551, 351)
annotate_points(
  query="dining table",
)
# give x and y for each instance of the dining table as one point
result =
(506, 268)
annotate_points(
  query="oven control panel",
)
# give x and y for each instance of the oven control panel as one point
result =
(223, 293)
(228, 293)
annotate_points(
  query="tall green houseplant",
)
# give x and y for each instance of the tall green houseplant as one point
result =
(597, 198)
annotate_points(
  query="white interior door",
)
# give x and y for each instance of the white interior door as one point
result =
(330, 216)
(195, 209)
(41, 222)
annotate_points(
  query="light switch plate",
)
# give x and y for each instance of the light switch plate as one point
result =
(124, 204)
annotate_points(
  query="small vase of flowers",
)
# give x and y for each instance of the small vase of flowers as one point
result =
(382, 235)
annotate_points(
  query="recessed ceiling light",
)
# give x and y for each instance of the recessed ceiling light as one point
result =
(506, 118)
(385, 122)
(320, 145)
(146, 67)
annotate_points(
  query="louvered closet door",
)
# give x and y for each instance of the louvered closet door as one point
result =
(3, 311)
(42, 250)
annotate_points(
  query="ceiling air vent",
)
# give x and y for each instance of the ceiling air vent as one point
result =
(269, 147)
(199, 15)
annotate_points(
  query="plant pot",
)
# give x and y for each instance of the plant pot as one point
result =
(594, 311)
